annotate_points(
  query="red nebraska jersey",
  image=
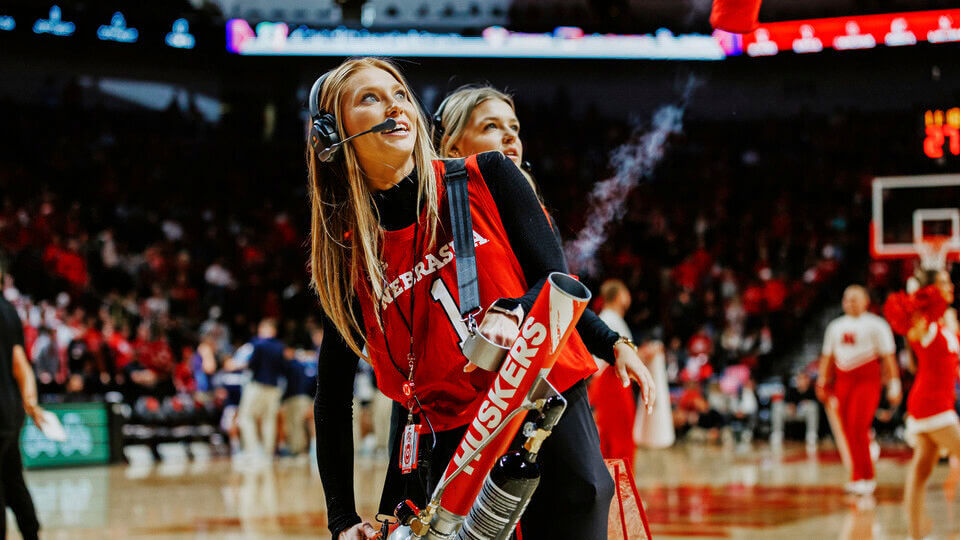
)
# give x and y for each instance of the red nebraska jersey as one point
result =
(449, 396)
(933, 389)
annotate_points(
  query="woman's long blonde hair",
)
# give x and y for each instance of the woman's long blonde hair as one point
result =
(345, 234)
(458, 107)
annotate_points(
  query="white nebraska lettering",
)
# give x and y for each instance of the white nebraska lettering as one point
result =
(446, 254)
(395, 287)
(431, 263)
(407, 279)
(418, 271)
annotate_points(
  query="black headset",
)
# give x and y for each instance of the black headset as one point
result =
(438, 122)
(323, 125)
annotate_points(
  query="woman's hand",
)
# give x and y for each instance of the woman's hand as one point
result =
(500, 328)
(35, 412)
(629, 366)
(360, 531)
(822, 394)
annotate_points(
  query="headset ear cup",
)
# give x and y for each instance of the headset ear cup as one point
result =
(438, 124)
(323, 133)
(437, 137)
(315, 136)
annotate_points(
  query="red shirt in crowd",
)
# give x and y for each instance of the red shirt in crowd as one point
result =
(700, 343)
(121, 349)
(753, 299)
(66, 264)
(774, 294)
(154, 355)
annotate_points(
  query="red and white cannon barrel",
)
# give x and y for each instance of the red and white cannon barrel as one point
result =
(543, 335)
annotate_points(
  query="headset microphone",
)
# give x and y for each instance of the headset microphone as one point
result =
(327, 153)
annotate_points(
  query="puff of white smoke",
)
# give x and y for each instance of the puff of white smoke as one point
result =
(632, 161)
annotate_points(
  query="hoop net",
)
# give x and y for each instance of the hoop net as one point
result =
(933, 252)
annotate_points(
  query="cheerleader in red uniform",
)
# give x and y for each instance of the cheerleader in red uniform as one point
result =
(932, 423)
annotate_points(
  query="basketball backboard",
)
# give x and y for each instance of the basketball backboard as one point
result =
(913, 215)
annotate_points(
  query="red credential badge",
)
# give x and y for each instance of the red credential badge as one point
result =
(408, 451)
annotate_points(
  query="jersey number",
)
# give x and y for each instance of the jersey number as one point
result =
(441, 294)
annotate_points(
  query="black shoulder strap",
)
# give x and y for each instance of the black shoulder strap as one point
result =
(455, 181)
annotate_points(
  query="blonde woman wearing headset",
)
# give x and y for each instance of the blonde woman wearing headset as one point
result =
(380, 268)
(479, 118)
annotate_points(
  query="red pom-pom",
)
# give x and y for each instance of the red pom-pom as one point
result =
(930, 303)
(898, 310)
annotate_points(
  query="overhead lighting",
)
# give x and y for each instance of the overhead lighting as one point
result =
(54, 25)
(180, 37)
(117, 30)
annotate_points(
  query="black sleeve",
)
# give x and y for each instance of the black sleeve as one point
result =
(597, 336)
(13, 328)
(333, 418)
(536, 243)
(525, 222)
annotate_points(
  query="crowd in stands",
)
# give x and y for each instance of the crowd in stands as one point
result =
(143, 259)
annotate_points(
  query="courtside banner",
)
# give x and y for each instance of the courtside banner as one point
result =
(543, 335)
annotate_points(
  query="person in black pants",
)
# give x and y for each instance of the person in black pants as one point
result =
(18, 394)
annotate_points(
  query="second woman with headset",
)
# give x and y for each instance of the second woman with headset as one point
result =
(479, 118)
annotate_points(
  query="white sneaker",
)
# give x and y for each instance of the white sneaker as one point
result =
(861, 487)
(866, 502)
(776, 439)
(242, 461)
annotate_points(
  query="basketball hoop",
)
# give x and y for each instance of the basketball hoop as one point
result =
(933, 250)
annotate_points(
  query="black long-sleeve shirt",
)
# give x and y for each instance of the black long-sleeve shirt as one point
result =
(537, 250)
(11, 402)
